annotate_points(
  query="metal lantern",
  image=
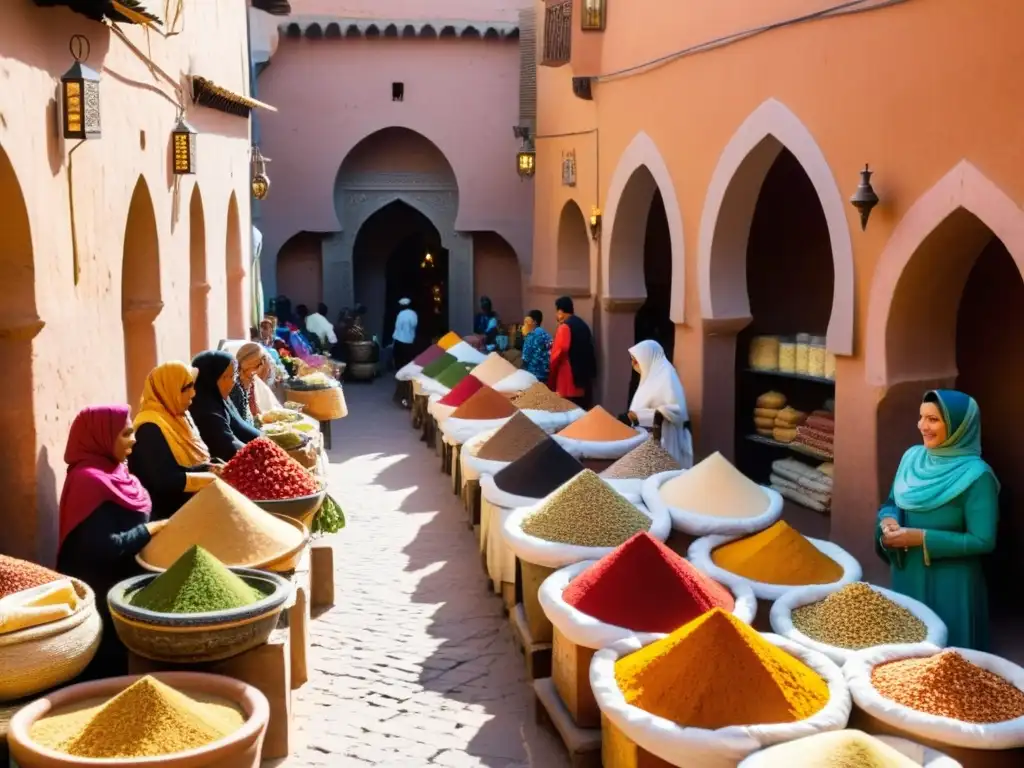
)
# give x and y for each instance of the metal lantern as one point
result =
(593, 16)
(183, 139)
(80, 95)
(864, 199)
(526, 161)
(260, 182)
(595, 223)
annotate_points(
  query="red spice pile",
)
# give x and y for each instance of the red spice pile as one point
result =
(646, 587)
(462, 391)
(16, 575)
(263, 471)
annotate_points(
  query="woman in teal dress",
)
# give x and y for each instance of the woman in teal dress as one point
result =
(941, 517)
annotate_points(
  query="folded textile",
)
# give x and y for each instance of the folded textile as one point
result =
(800, 473)
(821, 423)
(827, 469)
(819, 448)
(802, 499)
(815, 434)
(825, 499)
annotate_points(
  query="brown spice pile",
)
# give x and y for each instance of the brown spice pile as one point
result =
(598, 426)
(539, 398)
(647, 459)
(517, 436)
(16, 575)
(485, 404)
(858, 616)
(947, 685)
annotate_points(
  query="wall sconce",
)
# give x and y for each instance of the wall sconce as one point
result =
(864, 199)
(259, 181)
(183, 140)
(595, 223)
(593, 16)
(526, 160)
(80, 94)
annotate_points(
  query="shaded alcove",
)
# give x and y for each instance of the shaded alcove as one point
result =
(300, 269)
(141, 299)
(573, 248)
(237, 321)
(390, 262)
(496, 274)
(199, 283)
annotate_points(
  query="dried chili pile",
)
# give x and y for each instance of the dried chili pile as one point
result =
(263, 471)
(16, 575)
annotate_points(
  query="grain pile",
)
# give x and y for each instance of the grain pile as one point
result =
(493, 369)
(462, 391)
(539, 471)
(147, 719)
(485, 404)
(835, 749)
(16, 575)
(453, 374)
(598, 426)
(539, 398)
(228, 525)
(647, 459)
(777, 555)
(449, 340)
(428, 355)
(948, 685)
(517, 436)
(437, 366)
(586, 512)
(715, 488)
(856, 617)
(196, 583)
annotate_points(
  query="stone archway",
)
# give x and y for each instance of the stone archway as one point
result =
(141, 295)
(199, 281)
(573, 254)
(237, 317)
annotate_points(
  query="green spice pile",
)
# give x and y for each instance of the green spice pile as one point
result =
(857, 617)
(197, 583)
(586, 512)
(647, 459)
(330, 518)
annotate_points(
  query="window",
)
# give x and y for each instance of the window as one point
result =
(557, 33)
(398, 91)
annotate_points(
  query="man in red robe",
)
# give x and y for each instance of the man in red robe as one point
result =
(573, 362)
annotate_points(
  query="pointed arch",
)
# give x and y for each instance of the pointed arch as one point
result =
(141, 294)
(572, 265)
(199, 281)
(237, 321)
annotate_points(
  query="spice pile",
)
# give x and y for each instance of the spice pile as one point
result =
(777, 555)
(263, 470)
(16, 575)
(598, 426)
(275, 415)
(857, 617)
(454, 373)
(947, 685)
(449, 340)
(716, 672)
(197, 583)
(513, 439)
(428, 355)
(539, 398)
(493, 369)
(462, 391)
(539, 471)
(835, 749)
(435, 368)
(586, 512)
(715, 488)
(646, 587)
(485, 404)
(647, 459)
(147, 719)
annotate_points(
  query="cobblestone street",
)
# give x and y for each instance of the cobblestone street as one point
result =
(415, 665)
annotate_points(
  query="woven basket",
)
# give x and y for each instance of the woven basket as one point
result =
(39, 658)
(321, 404)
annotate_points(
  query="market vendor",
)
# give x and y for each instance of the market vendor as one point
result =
(253, 364)
(661, 392)
(104, 517)
(169, 457)
(941, 517)
(220, 425)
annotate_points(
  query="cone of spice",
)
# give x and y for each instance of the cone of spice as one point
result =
(493, 369)
(454, 374)
(539, 398)
(485, 404)
(857, 617)
(449, 340)
(715, 488)
(777, 555)
(832, 749)
(647, 459)
(434, 369)
(461, 392)
(716, 672)
(17, 575)
(512, 440)
(428, 355)
(598, 426)
(646, 587)
(228, 525)
(197, 583)
(539, 471)
(586, 512)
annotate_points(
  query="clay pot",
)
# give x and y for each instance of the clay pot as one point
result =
(241, 749)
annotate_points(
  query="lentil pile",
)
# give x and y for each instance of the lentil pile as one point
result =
(434, 369)
(263, 470)
(462, 391)
(716, 672)
(196, 583)
(835, 749)
(948, 685)
(647, 459)
(16, 575)
(777, 555)
(539, 398)
(147, 719)
(485, 404)
(646, 587)
(493, 369)
(857, 617)
(715, 488)
(598, 426)
(586, 512)
(454, 373)
(428, 355)
(515, 437)
(539, 471)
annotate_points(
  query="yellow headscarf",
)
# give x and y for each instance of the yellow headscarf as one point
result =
(164, 404)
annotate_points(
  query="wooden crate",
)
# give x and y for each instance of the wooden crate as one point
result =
(267, 667)
(582, 744)
(321, 595)
(537, 654)
(456, 462)
(471, 498)
(297, 617)
(529, 577)
(508, 596)
(619, 751)
(570, 671)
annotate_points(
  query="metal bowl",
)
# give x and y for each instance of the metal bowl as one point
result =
(302, 508)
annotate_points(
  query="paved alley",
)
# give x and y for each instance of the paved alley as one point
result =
(415, 665)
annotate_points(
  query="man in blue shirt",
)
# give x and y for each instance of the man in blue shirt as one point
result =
(536, 345)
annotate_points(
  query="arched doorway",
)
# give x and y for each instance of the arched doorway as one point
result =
(199, 283)
(573, 248)
(300, 269)
(398, 254)
(238, 320)
(496, 274)
(141, 298)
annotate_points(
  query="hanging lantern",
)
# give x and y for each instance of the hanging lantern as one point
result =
(595, 223)
(260, 182)
(526, 160)
(864, 199)
(80, 95)
(183, 140)
(593, 17)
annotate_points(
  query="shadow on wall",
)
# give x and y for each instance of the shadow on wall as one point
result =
(141, 299)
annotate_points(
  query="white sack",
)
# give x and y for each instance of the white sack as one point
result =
(585, 630)
(699, 554)
(782, 618)
(473, 465)
(550, 421)
(632, 488)
(430, 387)
(437, 409)
(697, 524)
(941, 730)
(501, 560)
(606, 450)
(919, 754)
(520, 381)
(466, 353)
(460, 430)
(501, 498)
(408, 372)
(725, 747)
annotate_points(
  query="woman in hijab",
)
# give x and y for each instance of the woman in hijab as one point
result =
(252, 364)
(660, 391)
(169, 457)
(941, 517)
(104, 516)
(220, 425)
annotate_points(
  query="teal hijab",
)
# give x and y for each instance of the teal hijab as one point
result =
(928, 478)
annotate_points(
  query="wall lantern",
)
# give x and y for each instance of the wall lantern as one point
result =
(593, 16)
(864, 199)
(183, 140)
(595, 223)
(80, 94)
(526, 160)
(260, 182)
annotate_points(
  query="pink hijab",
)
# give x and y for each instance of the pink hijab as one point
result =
(94, 476)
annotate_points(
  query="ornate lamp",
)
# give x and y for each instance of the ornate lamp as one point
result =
(260, 182)
(526, 161)
(80, 95)
(594, 15)
(595, 223)
(183, 139)
(864, 199)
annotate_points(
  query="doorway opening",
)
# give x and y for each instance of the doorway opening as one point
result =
(199, 283)
(141, 300)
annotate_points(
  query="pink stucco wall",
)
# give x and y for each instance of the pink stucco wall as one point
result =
(411, 10)
(63, 344)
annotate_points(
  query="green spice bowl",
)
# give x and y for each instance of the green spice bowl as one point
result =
(189, 638)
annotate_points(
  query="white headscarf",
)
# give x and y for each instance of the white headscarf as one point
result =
(404, 302)
(660, 390)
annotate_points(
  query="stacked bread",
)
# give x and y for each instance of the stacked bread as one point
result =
(786, 423)
(766, 409)
(817, 434)
(808, 486)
